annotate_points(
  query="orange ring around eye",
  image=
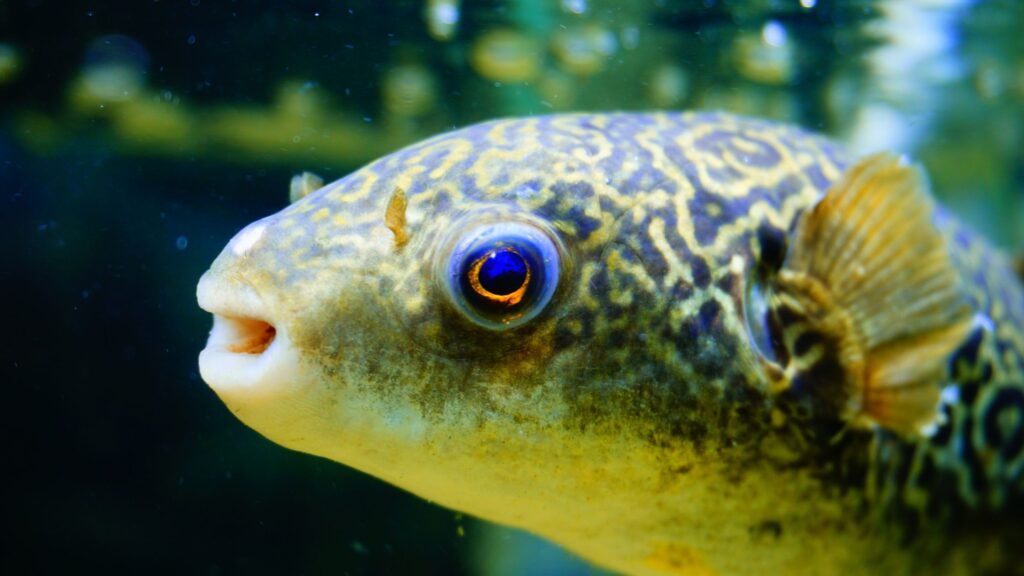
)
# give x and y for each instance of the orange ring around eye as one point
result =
(510, 299)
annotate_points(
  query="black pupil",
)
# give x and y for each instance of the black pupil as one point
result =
(503, 272)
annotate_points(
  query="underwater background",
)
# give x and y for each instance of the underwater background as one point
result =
(137, 137)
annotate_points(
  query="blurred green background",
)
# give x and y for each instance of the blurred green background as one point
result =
(136, 138)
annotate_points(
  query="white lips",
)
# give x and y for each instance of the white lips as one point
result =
(248, 356)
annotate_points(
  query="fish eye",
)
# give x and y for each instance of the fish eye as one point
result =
(502, 275)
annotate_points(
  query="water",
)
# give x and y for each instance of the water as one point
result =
(135, 139)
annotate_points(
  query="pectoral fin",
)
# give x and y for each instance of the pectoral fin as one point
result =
(868, 287)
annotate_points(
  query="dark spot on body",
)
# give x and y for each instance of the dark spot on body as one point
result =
(616, 339)
(727, 284)
(585, 225)
(573, 191)
(468, 186)
(567, 203)
(709, 312)
(1007, 406)
(441, 202)
(772, 246)
(679, 292)
(819, 389)
(767, 531)
(788, 186)
(686, 334)
(564, 338)
(778, 347)
(926, 475)
(969, 392)
(945, 431)
(705, 229)
(1005, 347)
(902, 471)
(966, 356)
(986, 374)
(787, 316)
(607, 205)
(648, 255)
(969, 455)
(701, 272)
(681, 470)
(804, 342)
(944, 490)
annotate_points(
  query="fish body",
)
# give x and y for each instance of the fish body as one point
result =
(673, 343)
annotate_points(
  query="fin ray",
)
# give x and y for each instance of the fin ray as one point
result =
(873, 274)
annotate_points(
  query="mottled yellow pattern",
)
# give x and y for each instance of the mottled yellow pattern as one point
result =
(633, 420)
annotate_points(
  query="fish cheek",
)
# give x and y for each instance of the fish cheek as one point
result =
(332, 326)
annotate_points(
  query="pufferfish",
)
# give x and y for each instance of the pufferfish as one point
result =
(672, 343)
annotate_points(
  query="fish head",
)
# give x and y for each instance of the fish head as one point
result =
(493, 320)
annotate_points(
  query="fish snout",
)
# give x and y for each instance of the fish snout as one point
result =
(248, 353)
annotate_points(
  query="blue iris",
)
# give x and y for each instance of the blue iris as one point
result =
(503, 272)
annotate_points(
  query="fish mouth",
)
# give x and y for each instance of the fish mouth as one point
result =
(248, 352)
(236, 335)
